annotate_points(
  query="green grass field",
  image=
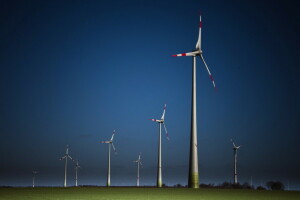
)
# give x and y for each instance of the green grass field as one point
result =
(141, 193)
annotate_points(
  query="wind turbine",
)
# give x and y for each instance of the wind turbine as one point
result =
(139, 162)
(76, 177)
(66, 156)
(33, 178)
(235, 148)
(160, 122)
(110, 143)
(193, 165)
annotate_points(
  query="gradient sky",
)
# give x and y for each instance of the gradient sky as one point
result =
(72, 71)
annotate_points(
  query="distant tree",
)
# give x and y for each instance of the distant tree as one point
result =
(275, 185)
(226, 185)
(246, 186)
(237, 186)
(203, 185)
(178, 185)
(260, 188)
(164, 185)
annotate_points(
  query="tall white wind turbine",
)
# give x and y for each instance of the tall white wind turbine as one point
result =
(160, 122)
(76, 175)
(235, 148)
(138, 162)
(193, 162)
(110, 143)
(66, 156)
(33, 177)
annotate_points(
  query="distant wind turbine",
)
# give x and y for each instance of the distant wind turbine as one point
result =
(139, 162)
(193, 165)
(160, 122)
(76, 176)
(235, 148)
(33, 178)
(66, 156)
(110, 143)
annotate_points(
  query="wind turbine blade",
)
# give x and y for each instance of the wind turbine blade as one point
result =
(163, 115)
(62, 158)
(112, 137)
(154, 120)
(141, 163)
(70, 158)
(112, 144)
(166, 132)
(233, 143)
(184, 54)
(198, 45)
(211, 77)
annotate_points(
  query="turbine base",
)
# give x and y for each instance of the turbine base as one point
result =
(159, 184)
(194, 180)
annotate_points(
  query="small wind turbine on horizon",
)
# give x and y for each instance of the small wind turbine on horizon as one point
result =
(193, 163)
(33, 178)
(235, 148)
(110, 143)
(76, 176)
(139, 162)
(160, 122)
(66, 156)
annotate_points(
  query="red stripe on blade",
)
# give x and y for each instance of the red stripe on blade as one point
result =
(183, 54)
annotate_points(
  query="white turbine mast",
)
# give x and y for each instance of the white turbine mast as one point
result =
(160, 122)
(33, 177)
(235, 148)
(76, 173)
(139, 162)
(193, 163)
(110, 143)
(66, 156)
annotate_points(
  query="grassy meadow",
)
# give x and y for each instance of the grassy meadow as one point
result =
(101, 193)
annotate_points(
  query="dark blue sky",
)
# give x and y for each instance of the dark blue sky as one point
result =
(72, 71)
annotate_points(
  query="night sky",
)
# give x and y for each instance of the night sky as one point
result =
(72, 71)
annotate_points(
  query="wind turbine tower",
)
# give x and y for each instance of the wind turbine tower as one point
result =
(139, 162)
(33, 178)
(76, 175)
(110, 143)
(66, 156)
(160, 122)
(193, 163)
(235, 148)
